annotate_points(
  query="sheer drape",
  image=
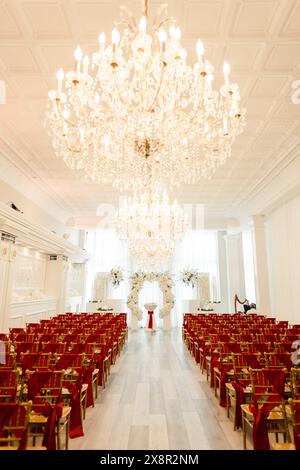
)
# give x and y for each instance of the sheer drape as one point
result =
(283, 227)
(198, 250)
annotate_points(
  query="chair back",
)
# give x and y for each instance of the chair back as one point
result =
(8, 362)
(14, 419)
(295, 415)
(33, 361)
(8, 385)
(44, 387)
(295, 382)
(267, 380)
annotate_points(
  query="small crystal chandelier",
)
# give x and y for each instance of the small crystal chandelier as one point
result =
(151, 226)
(136, 108)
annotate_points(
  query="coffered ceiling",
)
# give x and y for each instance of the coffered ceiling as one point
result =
(259, 38)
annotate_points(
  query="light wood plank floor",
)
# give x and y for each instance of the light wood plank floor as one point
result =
(157, 399)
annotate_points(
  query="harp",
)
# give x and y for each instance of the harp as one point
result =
(238, 301)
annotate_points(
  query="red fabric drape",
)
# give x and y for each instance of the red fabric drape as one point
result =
(260, 415)
(99, 358)
(214, 363)
(150, 323)
(88, 379)
(296, 428)
(240, 397)
(7, 412)
(76, 427)
(52, 413)
(224, 369)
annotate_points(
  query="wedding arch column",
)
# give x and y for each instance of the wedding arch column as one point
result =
(262, 288)
(7, 257)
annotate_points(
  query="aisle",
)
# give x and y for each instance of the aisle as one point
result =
(157, 398)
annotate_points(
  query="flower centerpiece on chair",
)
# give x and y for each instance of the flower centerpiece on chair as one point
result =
(189, 277)
(116, 276)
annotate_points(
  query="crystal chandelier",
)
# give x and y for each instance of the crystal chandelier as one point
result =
(151, 226)
(136, 108)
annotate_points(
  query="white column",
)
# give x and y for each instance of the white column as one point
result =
(134, 322)
(224, 306)
(57, 280)
(262, 289)
(235, 267)
(84, 287)
(7, 256)
(167, 323)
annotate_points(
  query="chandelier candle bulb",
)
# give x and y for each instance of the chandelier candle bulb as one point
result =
(226, 70)
(177, 34)
(60, 76)
(172, 32)
(102, 39)
(162, 36)
(200, 53)
(86, 62)
(115, 37)
(143, 25)
(78, 58)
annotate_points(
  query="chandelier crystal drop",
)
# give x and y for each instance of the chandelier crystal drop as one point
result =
(136, 109)
(151, 226)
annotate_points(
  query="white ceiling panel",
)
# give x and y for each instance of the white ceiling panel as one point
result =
(259, 38)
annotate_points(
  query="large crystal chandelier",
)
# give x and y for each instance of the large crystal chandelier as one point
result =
(136, 108)
(151, 226)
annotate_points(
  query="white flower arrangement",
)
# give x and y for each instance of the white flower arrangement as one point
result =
(189, 277)
(165, 283)
(116, 276)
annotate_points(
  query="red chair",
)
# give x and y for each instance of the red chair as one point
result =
(262, 347)
(54, 348)
(282, 347)
(49, 417)
(8, 362)
(24, 338)
(72, 338)
(26, 347)
(266, 379)
(280, 360)
(231, 348)
(14, 419)
(8, 385)
(69, 360)
(48, 338)
(31, 361)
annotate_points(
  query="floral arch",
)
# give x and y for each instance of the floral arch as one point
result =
(165, 283)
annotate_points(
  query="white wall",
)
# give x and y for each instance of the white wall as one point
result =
(283, 244)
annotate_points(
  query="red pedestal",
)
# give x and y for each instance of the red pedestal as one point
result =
(150, 321)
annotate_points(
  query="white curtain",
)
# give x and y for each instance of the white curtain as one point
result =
(107, 252)
(283, 228)
(198, 250)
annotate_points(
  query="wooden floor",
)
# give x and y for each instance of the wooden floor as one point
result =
(157, 398)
